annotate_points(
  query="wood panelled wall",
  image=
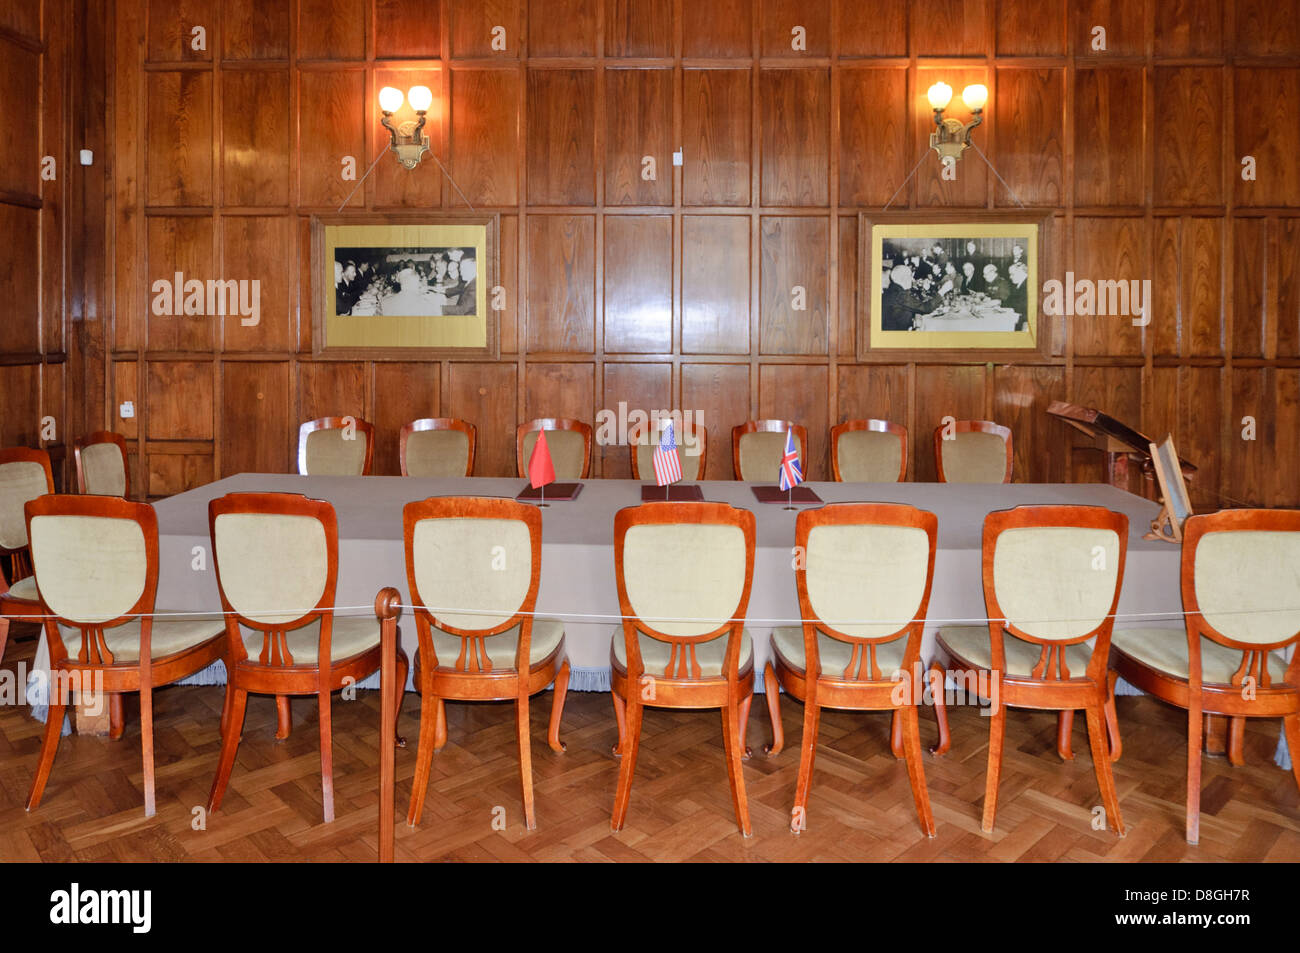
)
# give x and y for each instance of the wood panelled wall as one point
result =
(676, 291)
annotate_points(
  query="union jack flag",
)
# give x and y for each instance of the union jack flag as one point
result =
(791, 474)
(668, 469)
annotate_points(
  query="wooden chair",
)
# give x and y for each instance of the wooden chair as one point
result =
(336, 446)
(276, 556)
(96, 560)
(1239, 583)
(481, 557)
(684, 573)
(867, 561)
(692, 461)
(568, 440)
(869, 451)
(25, 475)
(978, 451)
(1052, 577)
(757, 448)
(437, 447)
(102, 467)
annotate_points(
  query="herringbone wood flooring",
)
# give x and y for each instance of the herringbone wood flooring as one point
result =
(860, 808)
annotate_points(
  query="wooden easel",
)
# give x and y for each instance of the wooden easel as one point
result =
(1175, 505)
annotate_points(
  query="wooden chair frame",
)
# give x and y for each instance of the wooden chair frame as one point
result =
(1201, 698)
(335, 423)
(1050, 686)
(438, 423)
(103, 436)
(470, 677)
(20, 558)
(680, 685)
(94, 660)
(860, 687)
(972, 426)
(275, 672)
(553, 423)
(877, 426)
(701, 435)
(768, 426)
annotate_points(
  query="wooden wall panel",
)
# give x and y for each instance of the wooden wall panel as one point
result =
(332, 29)
(330, 126)
(561, 137)
(560, 390)
(179, 245)
(956, 391)
(795, 392)
(645, 387)
(847, 297)
(1114, 390)
(795, 143)
(484, 394)
(1266, 129)
(715, 287)
(1189, 27)
(1249, 286)
(1109, 117)
(473, 24)
(638, 28)
(256, 432)
(259, 248)
(171, 473)
(1030, 141)
(717, 29)
(873, 29)
(638, 283)
(255, 138)
(951, 28)
(171, 30)
(716, 137)
(795, 264)
(255, 29)
(20, 424)
(179, 400)
(1188, 109)
(561, 283)
(873, 142)
(20, 133)
(485, 135)
(1108, 249)
(126, 387)
(1265, 28)
(1030, 28)
(781, 20)
(20, 286)
(874, 391)
(1021, 396)
(719, 396)
(638, 123)
(1123, 22)
(403, 392)
(562, 27)
(180, 138)
(407, 29)
(1288, 284)
(331, 389)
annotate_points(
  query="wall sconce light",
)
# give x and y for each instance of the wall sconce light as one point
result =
(951, 138)
(407, 141)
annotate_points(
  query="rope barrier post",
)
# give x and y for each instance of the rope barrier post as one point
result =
(386, 609)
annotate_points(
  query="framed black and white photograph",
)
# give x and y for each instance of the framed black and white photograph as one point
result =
(399, 286)
(958, 282)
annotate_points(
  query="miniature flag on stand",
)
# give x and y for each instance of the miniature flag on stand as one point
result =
(791, 476)
(668, 469)
(541, 470)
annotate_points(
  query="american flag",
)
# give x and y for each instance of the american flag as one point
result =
(668, 469)
(791, 475)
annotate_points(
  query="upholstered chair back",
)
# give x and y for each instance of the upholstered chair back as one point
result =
(103, 470)
(869, 456)
(473, 572)
(90, 569)
(336, 451)
(691, 459)
(437, 453)
(758, 455)
(867, 580)
(1247, 583)
(24, 475)
(568, 452)
(973, 457)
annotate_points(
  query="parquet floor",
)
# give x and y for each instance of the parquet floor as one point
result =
(860, 808)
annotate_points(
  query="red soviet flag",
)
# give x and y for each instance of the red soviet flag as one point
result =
(540, 469)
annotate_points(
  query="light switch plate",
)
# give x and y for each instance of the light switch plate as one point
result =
(677, 157)
(87, 157)
(126, 410)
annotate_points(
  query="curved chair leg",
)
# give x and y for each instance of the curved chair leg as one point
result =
(427, 745)
(630, 741)
(745, 704)
(403, 668)
(226, 702)
(1236, 741)
(812, 715)
(326, 755)
(1291, 728)
(117, 716)
(997, 734)
(525, 760)
(146, 747)
(283, 718)
(1112, 720)
(620, 708)
(1064, 729)
(557, 709)
(50, 742)
(937, 686)
(440, 735)
(911, 726)
(1195, 726)
(732, 745)
(4, 635)
(229, 745)
(896, 735)
(772, 692)
(1101, 765)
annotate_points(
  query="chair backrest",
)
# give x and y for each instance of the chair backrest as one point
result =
(437, 447)
(1241, 583)
(336, 446)
(25, 474)
(758, 446)
(102, 468)
(684, 573)
(481, 556)
(692, 450)
(96, 566)
(568, 440)
(975, 451)
(1052, 575)
(869, 451)
(276, 558)
(865, 579)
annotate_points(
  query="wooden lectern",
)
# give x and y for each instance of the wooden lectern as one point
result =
(1121, 444)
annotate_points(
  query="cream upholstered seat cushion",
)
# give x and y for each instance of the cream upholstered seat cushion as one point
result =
(869, 456)
(1166, 651)
(350, 635)
(501, 648)
(20, 481)
(971, 642)
(24, 588)
(103, 469)
(645, 458)
(656, 653)
(974, 457)
(836, 655)
(437, 453)
(761, 453)
(333, 453)
(568, 452)
(167, 637)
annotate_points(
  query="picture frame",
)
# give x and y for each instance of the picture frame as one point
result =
(402, 286)
(941, 308)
